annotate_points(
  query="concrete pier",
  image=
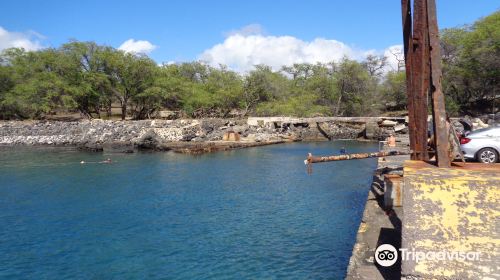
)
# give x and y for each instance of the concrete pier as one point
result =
(380, 224)
(452, 210)
(456, 211)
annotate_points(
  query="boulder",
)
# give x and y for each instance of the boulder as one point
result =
(371, 130)
(399, 127)
(388, 123)
(148, 141)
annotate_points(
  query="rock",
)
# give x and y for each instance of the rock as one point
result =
(199, 139)
(148, 141)
(388, 123)
(118, 147)
(93, 147)
(167, 114)
(239, 128)
(371, 130)
(125, 136)
(399, 127)
(212, 124)
(477, 123)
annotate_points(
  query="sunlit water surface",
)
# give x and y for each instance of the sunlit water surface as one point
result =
(245, 214)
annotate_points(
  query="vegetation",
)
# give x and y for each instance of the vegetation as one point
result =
(471, 66)
(91, 79)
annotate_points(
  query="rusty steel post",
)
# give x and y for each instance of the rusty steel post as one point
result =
(408, 47)
(423, 78)
(420, 70)
(441, 131)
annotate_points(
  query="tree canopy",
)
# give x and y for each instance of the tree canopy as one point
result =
(471, 66)
(93, 79)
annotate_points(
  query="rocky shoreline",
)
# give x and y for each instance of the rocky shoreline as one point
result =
(186, 136)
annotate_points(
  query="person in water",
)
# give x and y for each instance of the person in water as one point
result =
(108, 160)
(342, 151)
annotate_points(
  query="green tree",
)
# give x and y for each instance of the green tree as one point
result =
(86, 73)
(226, 88)
(321, 82)
(394, 90)
(129, 75)
(39, 87)
(353, 86)
(471, 70)
(262, 85)
(6, 84)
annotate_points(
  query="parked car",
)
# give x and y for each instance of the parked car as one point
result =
(482, 145)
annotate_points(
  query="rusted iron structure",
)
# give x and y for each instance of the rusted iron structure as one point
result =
(423, 82)
(423, 79)
(313, 159)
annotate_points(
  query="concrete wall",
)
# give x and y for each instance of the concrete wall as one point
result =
(265, 120)
(453, 210)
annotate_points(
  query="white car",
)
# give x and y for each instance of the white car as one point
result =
(482, 145)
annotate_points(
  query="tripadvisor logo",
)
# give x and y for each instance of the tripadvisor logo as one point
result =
(386, 255)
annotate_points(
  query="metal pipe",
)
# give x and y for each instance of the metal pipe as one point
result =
(312, 159)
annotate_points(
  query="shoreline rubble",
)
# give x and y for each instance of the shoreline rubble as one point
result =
(189, 135)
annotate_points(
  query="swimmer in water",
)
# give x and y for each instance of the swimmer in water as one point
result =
(82, 162)
(108, 160)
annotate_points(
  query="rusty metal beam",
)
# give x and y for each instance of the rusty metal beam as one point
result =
(441, 130)
(420, 70)
(408, 46)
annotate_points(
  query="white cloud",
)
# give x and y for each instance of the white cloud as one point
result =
(30, 41)
(242, 52)
(138, 46)
(244, 48)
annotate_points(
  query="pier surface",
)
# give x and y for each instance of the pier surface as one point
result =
(379, 224)
(453, 209)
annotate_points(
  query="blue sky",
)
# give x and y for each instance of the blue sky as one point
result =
(185, 30)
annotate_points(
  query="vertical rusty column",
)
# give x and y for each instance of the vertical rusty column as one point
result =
(423, 78)
(441, 130)
(420, 70)
(408, 47)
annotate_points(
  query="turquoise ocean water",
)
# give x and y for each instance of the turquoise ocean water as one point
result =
(245, 214)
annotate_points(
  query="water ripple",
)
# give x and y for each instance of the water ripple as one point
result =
(247, 214)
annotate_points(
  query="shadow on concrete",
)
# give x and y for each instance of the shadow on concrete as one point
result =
(388, 235)
(377, 189)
